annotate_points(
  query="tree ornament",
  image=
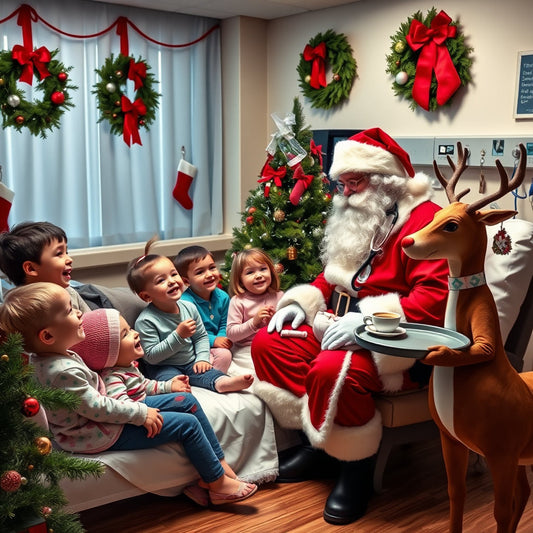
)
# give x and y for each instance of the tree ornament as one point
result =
(13, 100)
(252, 210)
(46, 511)
(30, 406)
(33, 114)
(279, 268)
(58, 97)
(4, 358)
(247, 246)
(110, 87)
(502, 243)
(292, 253)
(401, 78)
(10, 481)
(249, 220)
(62, 77)
(325, 49)
(279, 215)
(435, 59)
(336, 77)
(399, 47)
(44, 445)
(130, 115)
(2, 81)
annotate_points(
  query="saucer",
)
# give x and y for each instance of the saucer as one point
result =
(396, 333)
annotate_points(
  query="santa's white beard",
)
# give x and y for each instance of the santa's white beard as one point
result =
(355, 219)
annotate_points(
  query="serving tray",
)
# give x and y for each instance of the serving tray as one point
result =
(414, 342)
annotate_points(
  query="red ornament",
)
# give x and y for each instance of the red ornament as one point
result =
(249, 220)
(117, 103)
(30, 407)
(46, 511)
(58, 98)
(252, 210)
(19, 120)
(62, 77)
(119, 73)
(10, 481)
(279, 268)
(141, 122)
(336, 77)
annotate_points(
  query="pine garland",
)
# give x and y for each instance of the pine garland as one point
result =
(110, 89)
(37, 116)
(340, 58)
(403, 59)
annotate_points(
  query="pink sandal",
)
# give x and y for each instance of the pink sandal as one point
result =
(245, 491)
(197, 494)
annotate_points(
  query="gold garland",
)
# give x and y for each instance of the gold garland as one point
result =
(335, 51)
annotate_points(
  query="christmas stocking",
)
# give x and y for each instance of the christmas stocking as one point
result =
(186, 173)
(6, 199)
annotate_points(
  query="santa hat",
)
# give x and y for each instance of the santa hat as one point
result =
(371, 151)
(100, 348)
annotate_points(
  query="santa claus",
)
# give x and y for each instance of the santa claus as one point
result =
(324, 383)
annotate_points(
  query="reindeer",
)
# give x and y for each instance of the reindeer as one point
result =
(477, 399)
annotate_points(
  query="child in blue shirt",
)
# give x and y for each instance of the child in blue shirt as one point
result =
(198, 269)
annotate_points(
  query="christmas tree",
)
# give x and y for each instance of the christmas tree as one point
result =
(30, 469)
(285, 215)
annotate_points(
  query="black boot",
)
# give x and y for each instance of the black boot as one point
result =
(349, 498)
(304, 463)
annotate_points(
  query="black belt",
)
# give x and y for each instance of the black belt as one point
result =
(342, 303)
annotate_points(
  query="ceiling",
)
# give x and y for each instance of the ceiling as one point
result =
(221, 9)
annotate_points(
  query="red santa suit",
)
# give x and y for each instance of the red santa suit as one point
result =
(328, 393)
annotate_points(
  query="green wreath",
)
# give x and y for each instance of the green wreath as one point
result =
(37, 116)
(339, 56)
(109, 91)
(402, 61)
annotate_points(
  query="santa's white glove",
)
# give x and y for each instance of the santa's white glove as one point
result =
(290, 312)
(342, 332)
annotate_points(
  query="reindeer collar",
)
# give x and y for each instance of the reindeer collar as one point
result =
(466, 282)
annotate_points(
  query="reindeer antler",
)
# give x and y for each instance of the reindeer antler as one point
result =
(505, 185)
(449, 186)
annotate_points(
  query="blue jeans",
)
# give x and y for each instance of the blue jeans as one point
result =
(184, 421)
(205, 380)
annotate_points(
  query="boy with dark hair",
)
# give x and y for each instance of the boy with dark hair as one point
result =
(199, 271)
(38, 251)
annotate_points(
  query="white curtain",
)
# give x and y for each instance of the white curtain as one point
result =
(87, 180)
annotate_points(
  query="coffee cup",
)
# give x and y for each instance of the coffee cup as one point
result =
(383, 321)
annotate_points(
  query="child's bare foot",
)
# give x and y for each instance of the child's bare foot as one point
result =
(233, 384)
(227, 469)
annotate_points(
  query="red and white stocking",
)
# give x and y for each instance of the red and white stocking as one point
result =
(6, 200)
(186, 173)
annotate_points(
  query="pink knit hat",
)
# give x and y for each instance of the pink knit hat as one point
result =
(371, 151)
(100, 348)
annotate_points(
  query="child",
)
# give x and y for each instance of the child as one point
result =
(43, 314)
(254, 287)
(198, 269)
(173, 336)
(37, 251)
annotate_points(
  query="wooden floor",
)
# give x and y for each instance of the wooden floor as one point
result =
(414, 499)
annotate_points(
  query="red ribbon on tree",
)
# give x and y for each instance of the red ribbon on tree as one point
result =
(137, 73)
(316, 150)
(302, 183)
(434, 56)
(318, 70)
(269, 173)
(38, 59)
(131, 111)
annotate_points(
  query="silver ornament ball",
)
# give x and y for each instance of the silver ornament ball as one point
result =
(401, 78)
(110, 87)
(13, 100)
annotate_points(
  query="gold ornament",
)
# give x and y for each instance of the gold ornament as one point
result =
(279, 215)
(44, 445)
(5, 358)
(2, 81)
(308, 78)
(292, 253)
(399, 47)
(247, 246)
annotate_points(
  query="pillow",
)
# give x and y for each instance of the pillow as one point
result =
(508, 276)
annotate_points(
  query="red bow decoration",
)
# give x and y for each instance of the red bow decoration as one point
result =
(137, 73)
(303, 181)
(316, 150)
(38, 59)
(268, 173)
(318, 70)
(131, 111)
(433, 57)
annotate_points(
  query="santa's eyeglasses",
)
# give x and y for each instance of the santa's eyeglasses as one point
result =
(376, 247)
(352, 183)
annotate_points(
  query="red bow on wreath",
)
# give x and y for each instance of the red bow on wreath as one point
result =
(38, 59)
(318, 70)
(131, 111)
(303, 181)
(137, 73)
(433, 57)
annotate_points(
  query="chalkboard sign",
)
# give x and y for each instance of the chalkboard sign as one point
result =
(524, 86)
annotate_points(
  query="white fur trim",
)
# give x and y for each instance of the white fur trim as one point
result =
(419, 185)
(285, 407)
(309, 298)
(353, 156)
(390, 368)
(337, 275)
